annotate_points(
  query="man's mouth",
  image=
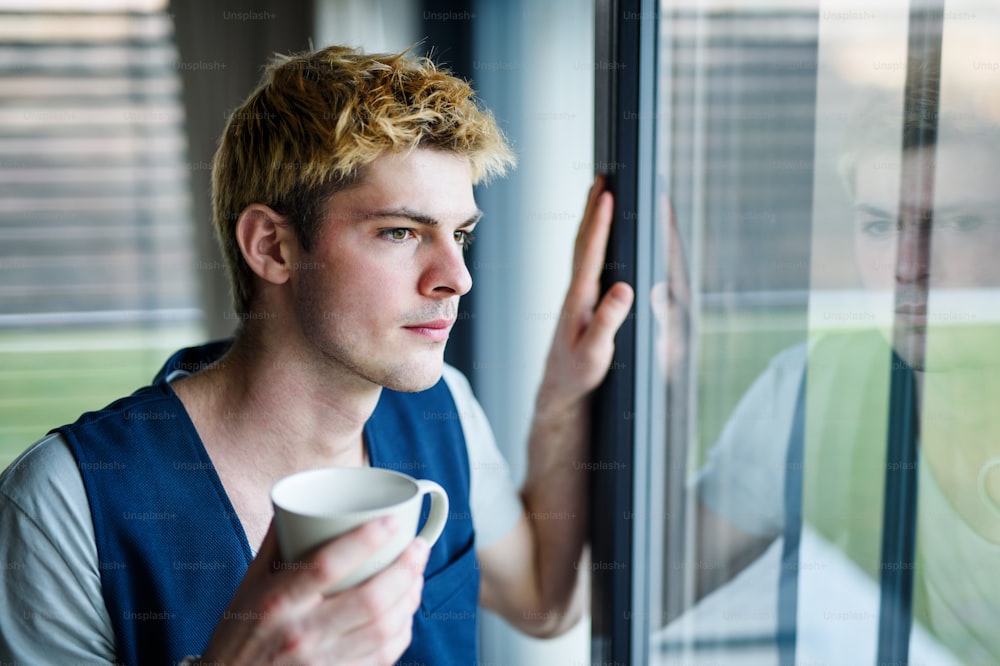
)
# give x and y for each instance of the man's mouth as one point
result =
(914, 313)
(436, 330)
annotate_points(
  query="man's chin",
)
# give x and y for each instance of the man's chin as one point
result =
(414, 379)
(913, 358)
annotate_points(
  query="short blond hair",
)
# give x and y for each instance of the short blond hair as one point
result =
(317, 118)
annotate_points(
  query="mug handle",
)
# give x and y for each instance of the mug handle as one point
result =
(439, 510)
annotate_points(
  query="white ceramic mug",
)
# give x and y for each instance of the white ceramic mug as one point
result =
(314, 506)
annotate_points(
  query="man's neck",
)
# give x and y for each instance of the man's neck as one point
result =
(278, 408)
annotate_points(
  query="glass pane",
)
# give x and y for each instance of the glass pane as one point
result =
(98, 274)
(825, 320)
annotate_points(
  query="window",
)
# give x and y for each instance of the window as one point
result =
(805, 455)
(95, 233)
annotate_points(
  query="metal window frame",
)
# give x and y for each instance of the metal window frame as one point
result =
(624, 91)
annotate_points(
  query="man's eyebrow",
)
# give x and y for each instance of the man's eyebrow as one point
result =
(419, 217)
(873, 210)
(938, 210)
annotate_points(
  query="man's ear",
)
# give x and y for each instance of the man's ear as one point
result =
(266, 241)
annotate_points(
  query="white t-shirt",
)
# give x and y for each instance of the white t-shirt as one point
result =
(744, 481)
(52, 609)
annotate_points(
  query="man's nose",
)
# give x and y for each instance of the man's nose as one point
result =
(446, 272)
(913, 251)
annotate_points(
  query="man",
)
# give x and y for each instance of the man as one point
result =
(342, 198)
(925, 236)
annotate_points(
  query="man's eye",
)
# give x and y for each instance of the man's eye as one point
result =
(396, 234)
(964, 222)
(877, 228)
(464, 238)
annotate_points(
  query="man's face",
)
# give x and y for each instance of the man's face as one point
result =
(945, 242)
(382, 295)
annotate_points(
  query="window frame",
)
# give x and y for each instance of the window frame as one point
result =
(624, 70)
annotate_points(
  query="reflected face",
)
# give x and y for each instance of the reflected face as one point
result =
(912, 239)
(392, 249)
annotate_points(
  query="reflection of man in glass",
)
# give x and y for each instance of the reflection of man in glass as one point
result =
(926, 235)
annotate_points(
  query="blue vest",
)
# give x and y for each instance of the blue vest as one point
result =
(172, 551)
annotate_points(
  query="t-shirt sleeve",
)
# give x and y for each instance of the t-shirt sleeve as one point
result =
(744, 478)
(51, 607)
(494, 500)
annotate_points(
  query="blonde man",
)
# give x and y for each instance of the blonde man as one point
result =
(342, 195)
